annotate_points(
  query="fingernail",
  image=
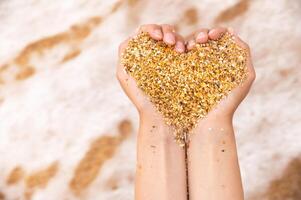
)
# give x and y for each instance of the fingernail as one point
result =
(180, 47)
(170, 38)
(201, 36)
(191, 43)
(157, 33)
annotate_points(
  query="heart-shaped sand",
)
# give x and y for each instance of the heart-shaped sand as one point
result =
(185, 87)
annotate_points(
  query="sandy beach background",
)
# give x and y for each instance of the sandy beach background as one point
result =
(68, 132)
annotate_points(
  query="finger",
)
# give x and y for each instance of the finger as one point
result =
(245, 46)
(169, 34)
(153, 30)
(201, 36)
(194, 34)
(216, 33)
(190, 44)
(180, 44)
(120, 71)
(239, 41)
(122, 46)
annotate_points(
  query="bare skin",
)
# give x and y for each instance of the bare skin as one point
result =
(160, 172)
(214, 172)
(212, 156)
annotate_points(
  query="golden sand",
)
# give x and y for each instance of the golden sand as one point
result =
(184, 87)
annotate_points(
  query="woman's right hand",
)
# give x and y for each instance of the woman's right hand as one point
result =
(167, 34)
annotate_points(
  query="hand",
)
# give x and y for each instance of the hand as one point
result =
(212, 155)
(160, 172)
(158, 32)
(227, 106)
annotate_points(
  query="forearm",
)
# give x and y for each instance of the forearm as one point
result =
(214, 172)
(160, 173)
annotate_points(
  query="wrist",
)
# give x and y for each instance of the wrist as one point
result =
(214, 121)
(152, 127)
